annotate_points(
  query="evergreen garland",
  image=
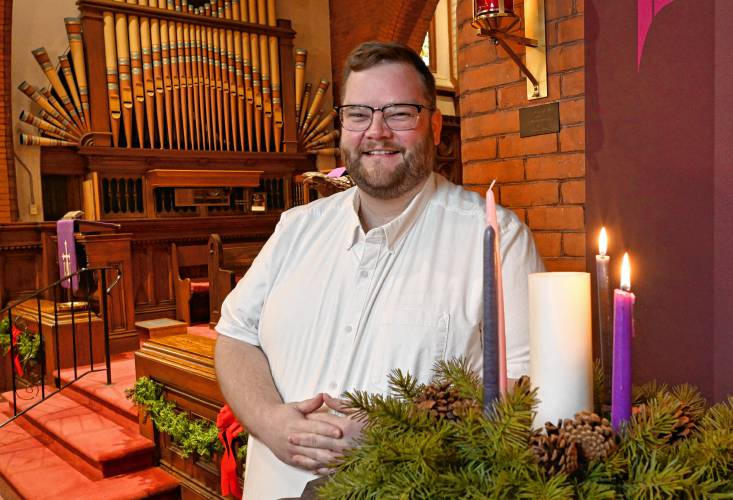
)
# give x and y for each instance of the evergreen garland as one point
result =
(192, 435)
(673, 447)
(26, 345)
(4, 336)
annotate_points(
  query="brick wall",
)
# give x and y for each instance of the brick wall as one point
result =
(357, 21)
(541, 178)
(8, 201)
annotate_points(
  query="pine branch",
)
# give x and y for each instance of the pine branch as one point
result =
(651, 479)
(651, 427)
(512, 416)
(403, 385)
(590, 490)
(458, 373)
(600, 387)
(719, 417)
(710, 452)
(555, 488)
(602, 478)
(691, 397)
(362, 403)
(651, 390)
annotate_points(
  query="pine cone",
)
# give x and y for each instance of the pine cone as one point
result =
(685, 424)
(442, 400)
(593, 434)
(554, 451)
(690, 406)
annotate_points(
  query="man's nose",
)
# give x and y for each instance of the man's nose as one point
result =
(378, 127)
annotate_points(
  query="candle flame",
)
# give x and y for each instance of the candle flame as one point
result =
(602, 242)
(625, 273)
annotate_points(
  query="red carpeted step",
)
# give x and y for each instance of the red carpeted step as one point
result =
(147, 483)
(94, 444)
(30, 470)
(92, 390)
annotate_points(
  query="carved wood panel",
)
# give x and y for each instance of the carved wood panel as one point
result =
(153, 290)
(448, 154)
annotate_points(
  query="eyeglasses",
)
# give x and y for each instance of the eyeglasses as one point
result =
(398, 117)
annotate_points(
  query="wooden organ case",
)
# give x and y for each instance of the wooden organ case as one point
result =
(186, 115)
(174, 120)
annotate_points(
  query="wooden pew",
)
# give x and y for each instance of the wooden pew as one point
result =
(184, 366)
(227, 263)
(189, 264)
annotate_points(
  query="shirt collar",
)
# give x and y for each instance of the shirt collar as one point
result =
(399, 226)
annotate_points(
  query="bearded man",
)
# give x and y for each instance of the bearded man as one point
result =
(384, 275)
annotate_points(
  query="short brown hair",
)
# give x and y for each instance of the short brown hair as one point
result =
(370, 54)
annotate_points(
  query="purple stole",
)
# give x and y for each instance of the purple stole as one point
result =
(67, 253)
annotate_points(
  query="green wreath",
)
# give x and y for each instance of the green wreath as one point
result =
(434, 442)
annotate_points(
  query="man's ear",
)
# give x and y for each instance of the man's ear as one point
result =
(436, 121)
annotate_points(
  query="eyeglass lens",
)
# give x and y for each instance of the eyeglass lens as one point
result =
(397, 117)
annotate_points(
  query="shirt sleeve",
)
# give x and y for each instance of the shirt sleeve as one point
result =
(242, 308)
(519, 258)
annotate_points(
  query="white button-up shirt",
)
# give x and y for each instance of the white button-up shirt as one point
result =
(335, 309)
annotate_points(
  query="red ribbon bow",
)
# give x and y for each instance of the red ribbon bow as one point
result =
(16, 360)
(229, 429)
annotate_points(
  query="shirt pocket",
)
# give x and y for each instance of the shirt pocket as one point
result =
(410, 339)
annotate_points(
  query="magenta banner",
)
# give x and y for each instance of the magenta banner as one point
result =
(646, 10)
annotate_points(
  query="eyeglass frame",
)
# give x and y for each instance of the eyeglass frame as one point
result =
(419, 108)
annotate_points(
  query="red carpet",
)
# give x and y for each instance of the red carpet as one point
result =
(82, 443)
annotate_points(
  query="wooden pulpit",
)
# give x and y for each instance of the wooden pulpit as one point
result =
(102, 245)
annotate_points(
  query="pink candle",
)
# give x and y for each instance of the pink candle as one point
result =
(481, 7)
(491, 220)
(623, 328)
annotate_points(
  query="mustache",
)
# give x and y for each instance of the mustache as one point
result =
(380, 145)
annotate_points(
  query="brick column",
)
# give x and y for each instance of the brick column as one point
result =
(8, 197)
(541, 178)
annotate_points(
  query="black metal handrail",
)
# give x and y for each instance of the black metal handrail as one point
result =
(87, 277)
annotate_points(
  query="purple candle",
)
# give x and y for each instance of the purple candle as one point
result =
(623, 326)
(491, 322)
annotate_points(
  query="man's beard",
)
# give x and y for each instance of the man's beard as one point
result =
(415, 167)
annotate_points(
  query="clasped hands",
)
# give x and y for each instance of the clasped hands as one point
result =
(309, 436)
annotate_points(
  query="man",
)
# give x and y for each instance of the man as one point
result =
(385, 275)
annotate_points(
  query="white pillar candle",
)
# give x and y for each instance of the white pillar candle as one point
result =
(560, 342)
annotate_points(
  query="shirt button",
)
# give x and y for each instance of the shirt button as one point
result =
(348, 329)
(332, 385)
(364, 274)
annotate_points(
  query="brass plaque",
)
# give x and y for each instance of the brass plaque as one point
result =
(537, 120)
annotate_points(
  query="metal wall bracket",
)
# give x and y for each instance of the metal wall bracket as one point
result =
(497, 26)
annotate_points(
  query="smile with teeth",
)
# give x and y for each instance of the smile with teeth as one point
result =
(380, 152)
